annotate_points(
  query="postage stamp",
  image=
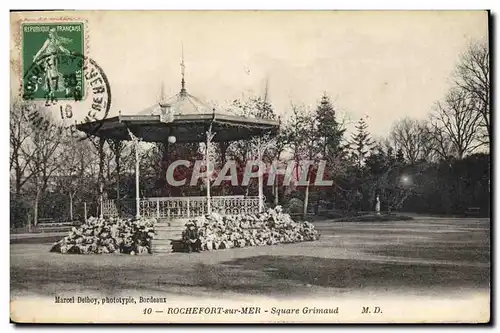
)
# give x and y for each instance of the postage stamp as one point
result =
(42, 43)
(60, 85)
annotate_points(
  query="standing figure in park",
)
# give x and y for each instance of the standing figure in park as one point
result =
(52, 46)
(377, 205)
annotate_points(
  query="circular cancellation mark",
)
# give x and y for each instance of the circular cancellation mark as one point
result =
(62, 90)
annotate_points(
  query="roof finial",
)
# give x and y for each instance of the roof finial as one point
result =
(266, 89)
(162, 93)
(183, 67)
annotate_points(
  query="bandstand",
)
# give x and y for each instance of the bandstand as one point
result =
(182, 118)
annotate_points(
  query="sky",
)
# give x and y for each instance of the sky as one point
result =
(382, 66)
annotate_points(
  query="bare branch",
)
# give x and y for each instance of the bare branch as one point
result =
(456, 119)
(472, 75)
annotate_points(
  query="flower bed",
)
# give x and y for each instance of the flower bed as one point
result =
(268, 228)
(108, 236)
(129, 236)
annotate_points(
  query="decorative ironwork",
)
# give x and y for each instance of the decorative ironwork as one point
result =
(182, 207)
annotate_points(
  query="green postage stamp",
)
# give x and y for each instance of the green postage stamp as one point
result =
(52, 63)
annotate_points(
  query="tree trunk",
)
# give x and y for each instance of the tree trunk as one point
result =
(18, 180)
(306, 198)
(35, 207)
(100, 177)
(118, 147)
(275, 182)
(85, 212)
(261, 189)
(276, 192)
(118, 179)
(71, 206)
(223, 150)
(164, 167)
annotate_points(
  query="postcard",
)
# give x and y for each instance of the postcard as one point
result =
(250, 167)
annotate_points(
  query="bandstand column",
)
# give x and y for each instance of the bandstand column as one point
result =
(101, 176)
(210, 136)
(137, 193)
(117, 147)
(101, 203)
(261, 180)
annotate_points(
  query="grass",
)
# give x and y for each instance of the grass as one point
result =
(376, 218)
(414, 257)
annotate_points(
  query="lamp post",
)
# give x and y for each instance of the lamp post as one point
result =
(406, 182)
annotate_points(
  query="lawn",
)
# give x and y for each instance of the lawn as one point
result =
(418, 257)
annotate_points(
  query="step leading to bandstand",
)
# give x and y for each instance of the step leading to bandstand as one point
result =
(166, 232)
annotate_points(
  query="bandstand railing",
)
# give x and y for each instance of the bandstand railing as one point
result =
(182, 207)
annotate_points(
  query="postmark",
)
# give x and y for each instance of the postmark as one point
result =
(92, 106)
(61, 85)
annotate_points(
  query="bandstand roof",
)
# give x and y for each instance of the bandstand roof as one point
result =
(185, 127)
(181, 103)
(183, 116)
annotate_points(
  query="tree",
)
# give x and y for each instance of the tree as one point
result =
(428, 144)
(385, 178)
(361, 141)
(44, 160)
(377, 161)
(456, 117)
(411, 136)
(281, 142)
(72, 178)
(243, 150)
(472, 75)
(252, 107)
(330, 132)
(305, 143)
(400, 157)
(19, 137)
(331, 146)
(118, 148)
(442, 144)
